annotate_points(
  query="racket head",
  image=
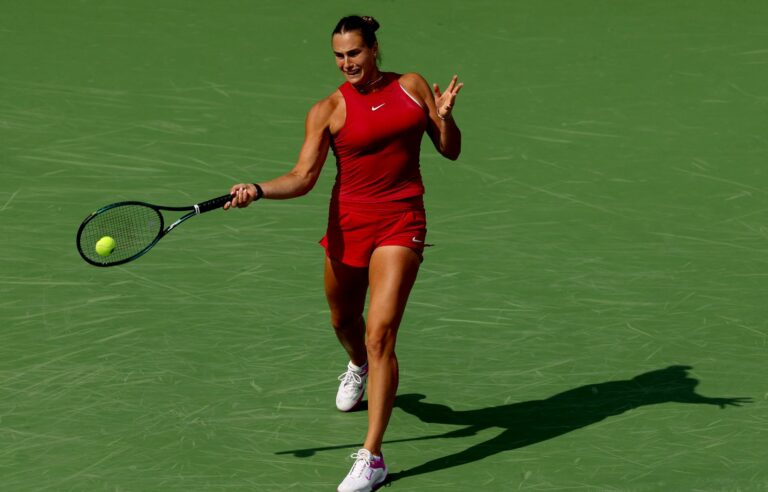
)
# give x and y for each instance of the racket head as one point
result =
(135, 227)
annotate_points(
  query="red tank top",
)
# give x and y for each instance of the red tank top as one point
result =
(377, 149)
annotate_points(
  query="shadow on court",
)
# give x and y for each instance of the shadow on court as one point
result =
(535, 421)
(530, 422)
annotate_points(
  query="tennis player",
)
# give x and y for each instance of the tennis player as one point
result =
(376, 232)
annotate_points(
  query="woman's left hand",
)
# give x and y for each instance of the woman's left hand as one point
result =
(444, 101)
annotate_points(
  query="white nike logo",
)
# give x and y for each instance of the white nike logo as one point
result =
(374, 108)
(415, 240)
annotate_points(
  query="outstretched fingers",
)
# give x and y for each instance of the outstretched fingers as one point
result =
(454, 86)
(436, 88)
(444, 101)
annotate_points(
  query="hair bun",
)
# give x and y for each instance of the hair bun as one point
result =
(371, 22)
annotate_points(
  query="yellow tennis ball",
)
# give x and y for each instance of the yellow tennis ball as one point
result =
(105, 246)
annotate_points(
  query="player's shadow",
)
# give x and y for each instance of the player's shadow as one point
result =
(530, 422)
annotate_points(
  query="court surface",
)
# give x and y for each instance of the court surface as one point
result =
(595, 295)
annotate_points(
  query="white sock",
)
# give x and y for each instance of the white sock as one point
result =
(358, 369)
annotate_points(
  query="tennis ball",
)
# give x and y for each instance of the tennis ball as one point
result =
(105, 246)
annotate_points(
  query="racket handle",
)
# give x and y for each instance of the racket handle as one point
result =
(213, 204)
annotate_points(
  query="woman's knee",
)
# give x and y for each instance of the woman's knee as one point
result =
(347, 321)
(380, 344)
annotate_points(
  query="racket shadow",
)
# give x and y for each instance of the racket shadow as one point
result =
(526, 423)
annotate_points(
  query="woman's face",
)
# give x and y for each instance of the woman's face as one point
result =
(355, 60)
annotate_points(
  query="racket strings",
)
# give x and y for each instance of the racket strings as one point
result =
(133, 227)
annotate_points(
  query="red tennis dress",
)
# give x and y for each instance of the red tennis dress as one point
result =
(377, 197)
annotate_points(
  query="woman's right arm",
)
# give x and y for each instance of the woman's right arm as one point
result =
(302, 178)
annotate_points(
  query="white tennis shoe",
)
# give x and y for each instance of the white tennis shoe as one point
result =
(366, 474)
(352, 387)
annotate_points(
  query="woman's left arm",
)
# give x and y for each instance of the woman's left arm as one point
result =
(442, 129)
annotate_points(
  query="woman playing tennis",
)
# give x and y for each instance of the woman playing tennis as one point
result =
(374, 124)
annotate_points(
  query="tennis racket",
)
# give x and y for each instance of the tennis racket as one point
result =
(132, 229)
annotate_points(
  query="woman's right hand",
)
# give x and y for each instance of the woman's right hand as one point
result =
(243, 194)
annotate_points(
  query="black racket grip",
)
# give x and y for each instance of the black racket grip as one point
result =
(213, 204)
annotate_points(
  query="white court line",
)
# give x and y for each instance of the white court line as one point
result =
(9, 200)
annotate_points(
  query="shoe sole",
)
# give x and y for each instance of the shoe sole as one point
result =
(378, 485)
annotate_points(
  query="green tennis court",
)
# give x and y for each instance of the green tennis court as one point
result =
(592, 316)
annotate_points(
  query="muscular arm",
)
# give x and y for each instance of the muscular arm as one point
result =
(444, 133)
(302, 178)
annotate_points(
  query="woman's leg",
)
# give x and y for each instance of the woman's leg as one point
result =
(391, 275)
(345, 289)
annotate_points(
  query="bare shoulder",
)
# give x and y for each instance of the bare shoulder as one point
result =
(325, 107)
(416, 85)
(325, 111)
